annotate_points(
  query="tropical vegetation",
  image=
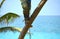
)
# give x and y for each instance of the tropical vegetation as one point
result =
(9, 16)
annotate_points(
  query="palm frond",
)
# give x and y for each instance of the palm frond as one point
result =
(4, 29)
(2, 3)
(8, 16)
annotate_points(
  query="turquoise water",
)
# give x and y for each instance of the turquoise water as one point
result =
(44, 27)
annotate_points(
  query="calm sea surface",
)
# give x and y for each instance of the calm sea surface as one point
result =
(44, 27)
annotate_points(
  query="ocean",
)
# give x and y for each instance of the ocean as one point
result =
(44, 27)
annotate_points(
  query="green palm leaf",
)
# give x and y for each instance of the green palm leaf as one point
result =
(9, 16)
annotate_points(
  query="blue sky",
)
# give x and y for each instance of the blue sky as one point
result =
(50, 8)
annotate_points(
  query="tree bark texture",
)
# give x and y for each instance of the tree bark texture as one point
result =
(33, 16)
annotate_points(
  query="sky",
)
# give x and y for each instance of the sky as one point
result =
(50, 8)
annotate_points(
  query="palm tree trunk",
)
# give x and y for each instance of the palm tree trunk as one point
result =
(36, 11)
(33, 16)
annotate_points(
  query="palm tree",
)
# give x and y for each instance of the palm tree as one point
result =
(8, 18)
(32, 18)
